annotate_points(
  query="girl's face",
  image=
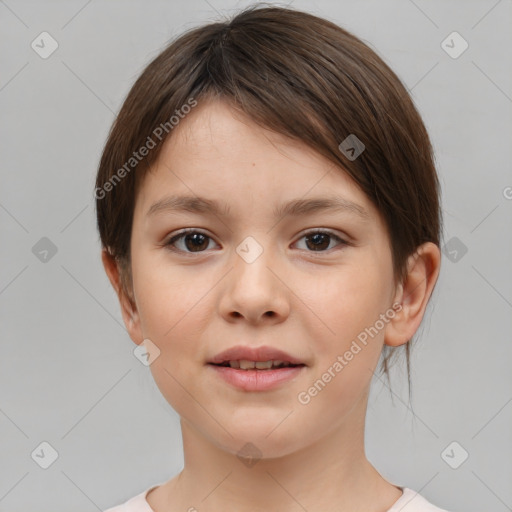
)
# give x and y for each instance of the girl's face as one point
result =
(313, 283)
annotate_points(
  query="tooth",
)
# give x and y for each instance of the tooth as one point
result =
(264, 365)
(245, 364)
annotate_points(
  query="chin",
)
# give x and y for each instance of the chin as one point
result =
(251, 450)
(259, 437)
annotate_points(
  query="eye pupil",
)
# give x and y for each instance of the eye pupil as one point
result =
(317, 240)
(196, 237)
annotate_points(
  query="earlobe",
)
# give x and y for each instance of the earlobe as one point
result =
(413, 294)
(128, 307)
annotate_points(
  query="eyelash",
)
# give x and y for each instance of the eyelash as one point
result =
(182, 234)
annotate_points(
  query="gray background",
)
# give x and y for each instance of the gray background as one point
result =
(68, 375)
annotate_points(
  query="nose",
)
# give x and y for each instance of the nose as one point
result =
(255, 290)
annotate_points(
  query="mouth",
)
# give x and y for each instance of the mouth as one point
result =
(244, 364)
(256, 369)
(263, 358)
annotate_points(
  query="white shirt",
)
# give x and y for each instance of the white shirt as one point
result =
(410, 501)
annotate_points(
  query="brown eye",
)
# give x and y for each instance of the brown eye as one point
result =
(319, 241)
(193, 241)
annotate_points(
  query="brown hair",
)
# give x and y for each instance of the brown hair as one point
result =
(301, 76)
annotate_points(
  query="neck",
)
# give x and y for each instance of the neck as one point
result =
(330, 474)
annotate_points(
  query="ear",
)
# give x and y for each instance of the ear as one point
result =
(128, 308)
(413, 294)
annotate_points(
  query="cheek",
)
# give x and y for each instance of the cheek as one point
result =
(169, 300)
(341, 304)
(174, 318)
(174, 314)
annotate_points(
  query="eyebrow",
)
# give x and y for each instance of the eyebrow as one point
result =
(296, 207)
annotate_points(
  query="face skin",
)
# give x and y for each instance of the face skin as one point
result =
(194, 304)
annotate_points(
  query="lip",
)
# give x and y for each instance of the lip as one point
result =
(257, 380)
(263, 353)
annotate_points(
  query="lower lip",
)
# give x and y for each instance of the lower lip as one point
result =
(257, 380)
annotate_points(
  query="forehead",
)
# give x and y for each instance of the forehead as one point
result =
(218, 153)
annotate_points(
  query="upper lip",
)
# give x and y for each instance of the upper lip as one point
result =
(263, 353)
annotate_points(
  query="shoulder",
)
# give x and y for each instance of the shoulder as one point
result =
(411, 501)
(136, 504)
